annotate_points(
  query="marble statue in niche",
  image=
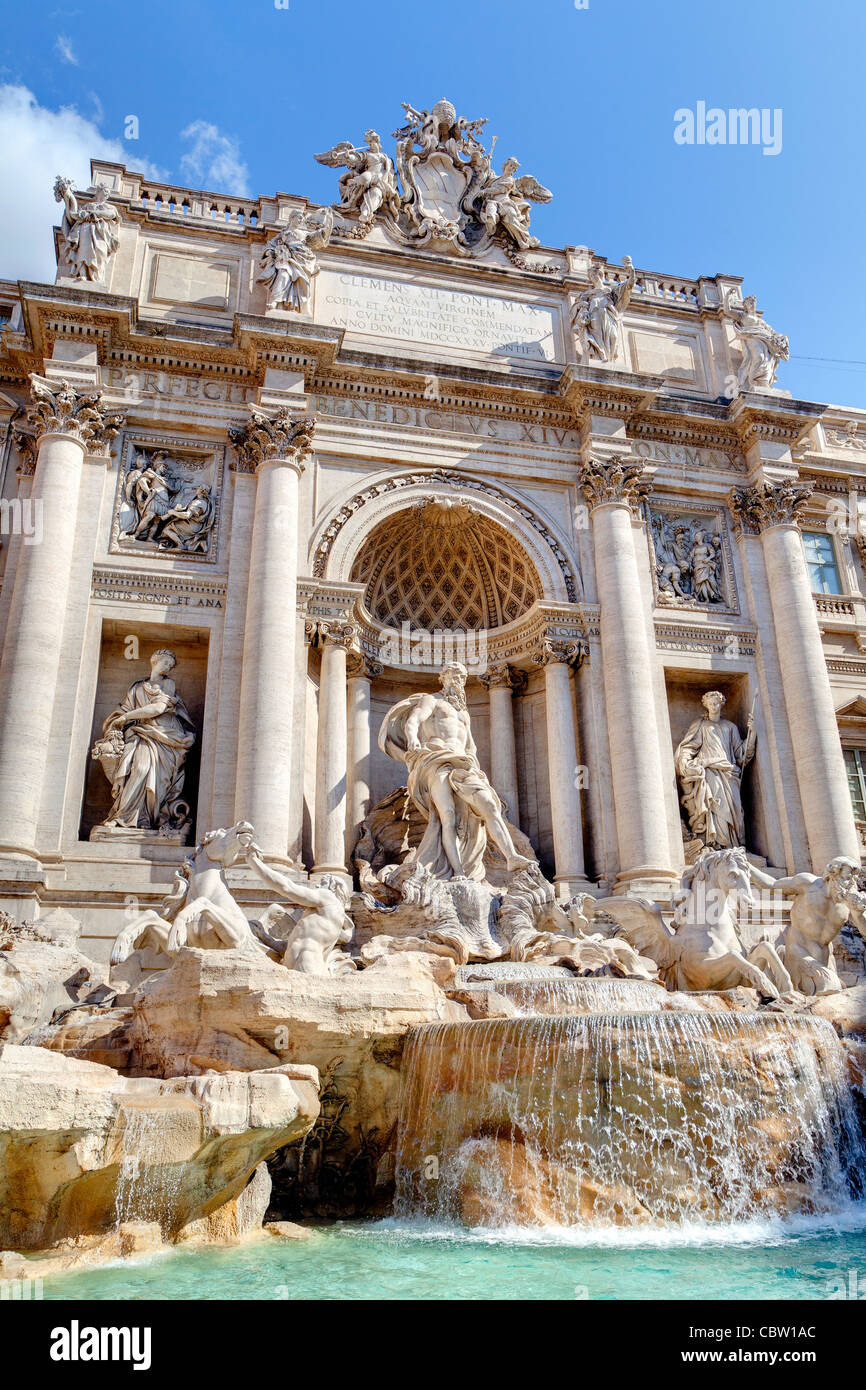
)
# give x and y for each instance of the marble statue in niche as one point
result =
(431, 734)
(89, 231)
(762, 347)
(710, 761)
(688, 560)
(289, 263)
(162, 507)
(598, 312)
(142, 750)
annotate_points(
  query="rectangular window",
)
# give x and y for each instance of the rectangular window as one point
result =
(821, 560)
(855, 766)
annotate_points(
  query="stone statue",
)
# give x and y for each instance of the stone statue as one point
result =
(172, 512)
(142, 749)
(312, 945)
(763, 349)
(369, 183)
(673, 558)
(200, 910)
(289, 259)
(710, 760)
(432, 736)
(820, 908)
(702, 950)
(504, 201)
(598, 312)
(442, 187)
(89, 232)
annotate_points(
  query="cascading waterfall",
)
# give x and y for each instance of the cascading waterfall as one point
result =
(654, 1118)
(148, 1188)
(536, 995)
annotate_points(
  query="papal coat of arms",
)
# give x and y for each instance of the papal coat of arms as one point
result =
(444, 191)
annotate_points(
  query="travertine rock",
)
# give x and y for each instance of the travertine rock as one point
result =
(83, 1149)
(43, 971)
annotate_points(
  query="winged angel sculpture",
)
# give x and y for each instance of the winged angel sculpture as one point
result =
(444, 188)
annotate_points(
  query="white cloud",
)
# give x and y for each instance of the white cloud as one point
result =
(36, 145)
(66, 51)
(214, 161)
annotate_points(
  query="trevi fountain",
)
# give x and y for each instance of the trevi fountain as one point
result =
(432, 786)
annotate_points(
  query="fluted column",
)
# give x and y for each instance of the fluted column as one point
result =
(361, 671)
(501, 681)
(332, 749)
(67, 424)
(275, 446)
(772, 511)
(563, 769)
(613, 489)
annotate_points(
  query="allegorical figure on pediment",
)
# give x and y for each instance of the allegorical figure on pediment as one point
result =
(89, 231)
(289, 263)
(710, 760)
(444, 188)
(369, 182)
(165, 509)
(598, 312)
(762, 347)
(142, 750)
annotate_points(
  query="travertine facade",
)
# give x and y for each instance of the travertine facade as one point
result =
(315, 454)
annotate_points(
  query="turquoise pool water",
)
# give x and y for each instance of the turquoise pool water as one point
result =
(388, 1260)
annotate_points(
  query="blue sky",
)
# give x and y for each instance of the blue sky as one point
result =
(237, 96)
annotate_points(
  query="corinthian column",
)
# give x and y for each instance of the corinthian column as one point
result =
(772, 510)
(563, 769)
(361, 671)
(68, 424)
(501, 680)
(614, 489)
(332, 753)
(275, 447)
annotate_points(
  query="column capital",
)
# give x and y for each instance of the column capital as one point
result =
(764, 505)
(501, 675)
(334, 632)
(266, 438)
(59, 408)
(559, 651)
(618, 480)
(362, 666)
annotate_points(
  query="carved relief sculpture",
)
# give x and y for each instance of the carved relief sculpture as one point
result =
(162, 506)
(688, 560)
(763, 349)
(142, 750)
(289, 260)
(598, 313)
(710, 761)
(89, 231)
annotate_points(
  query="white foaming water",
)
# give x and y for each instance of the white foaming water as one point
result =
(640, 1125)
(147, 1187)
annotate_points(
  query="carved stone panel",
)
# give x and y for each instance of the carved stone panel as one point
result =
(691, 557)
(168, 499)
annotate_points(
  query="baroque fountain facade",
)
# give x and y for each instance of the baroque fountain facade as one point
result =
(432, 705)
